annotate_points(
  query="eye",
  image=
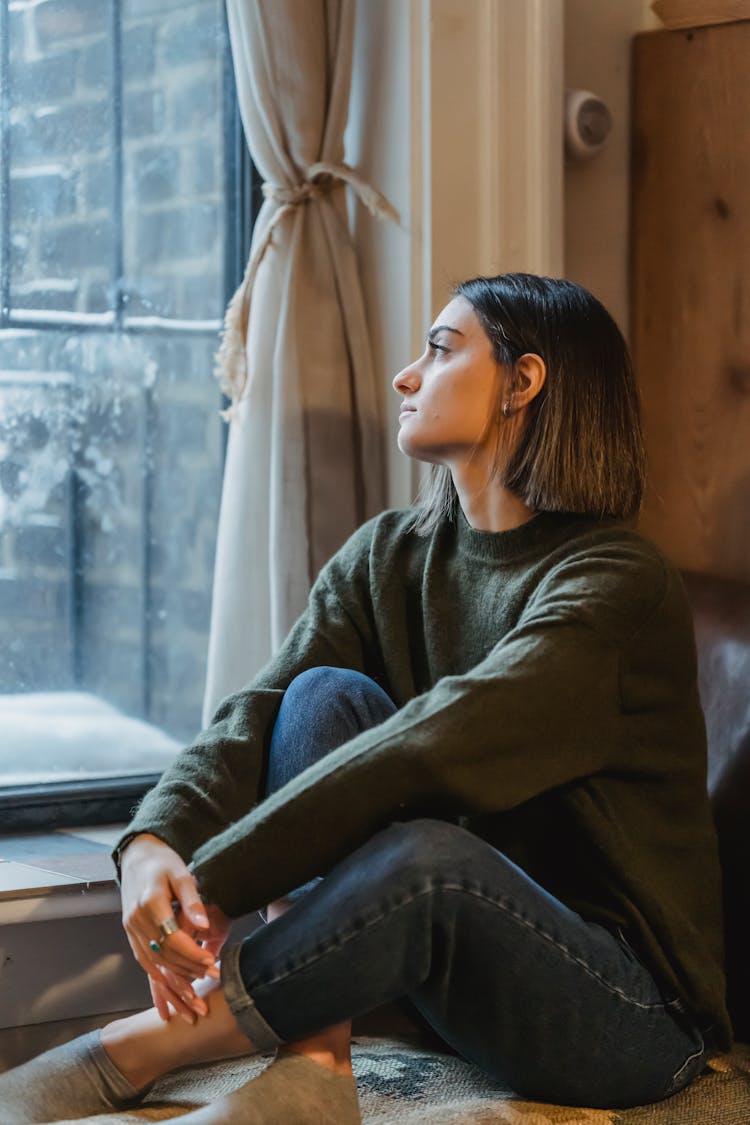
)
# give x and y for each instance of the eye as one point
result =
(436, 347)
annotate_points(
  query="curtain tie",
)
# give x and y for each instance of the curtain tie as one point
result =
(322, 177)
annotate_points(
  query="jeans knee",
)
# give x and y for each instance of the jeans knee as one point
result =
(326, 684)
(322, 708)
(428, 850)
(326, 690)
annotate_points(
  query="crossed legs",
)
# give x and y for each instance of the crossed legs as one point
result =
(316, 716)
(505, 973)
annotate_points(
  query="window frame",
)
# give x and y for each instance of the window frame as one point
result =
(97, 801)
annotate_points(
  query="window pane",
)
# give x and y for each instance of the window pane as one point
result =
(111, 444)
(110, 472)
(185, 452)
(36, 548)
(173, 166)
(62, 247)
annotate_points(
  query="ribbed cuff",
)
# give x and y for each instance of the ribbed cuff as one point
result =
(242, 1004)
(119, 1089)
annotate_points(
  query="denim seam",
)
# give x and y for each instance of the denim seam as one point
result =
(677, 1082)
(690, 1059)
(338, 943)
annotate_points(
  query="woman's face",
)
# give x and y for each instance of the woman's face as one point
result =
(450, 393)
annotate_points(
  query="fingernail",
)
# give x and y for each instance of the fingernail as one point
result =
(214, 973)
(188, 1018)
(201, 919)
(195, 1003)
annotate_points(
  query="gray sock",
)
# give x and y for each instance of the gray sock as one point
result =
(77, 1079)
(293, 1090)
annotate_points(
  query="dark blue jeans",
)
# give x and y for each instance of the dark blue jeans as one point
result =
(559, 1008)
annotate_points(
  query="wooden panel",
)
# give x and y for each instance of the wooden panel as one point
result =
(694, 13)
(691, 290)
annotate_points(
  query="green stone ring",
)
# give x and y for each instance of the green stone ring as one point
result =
(153, 944)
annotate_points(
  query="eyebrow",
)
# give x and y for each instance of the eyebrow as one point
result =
(443, 328)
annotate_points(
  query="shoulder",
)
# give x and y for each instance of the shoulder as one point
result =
(614, 578)
(373, 547)
(390, 529)
(615, 542)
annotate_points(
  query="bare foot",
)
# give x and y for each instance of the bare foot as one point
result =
(144, 1047)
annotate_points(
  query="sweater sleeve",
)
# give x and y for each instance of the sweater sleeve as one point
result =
(213, 782)
(538, 712)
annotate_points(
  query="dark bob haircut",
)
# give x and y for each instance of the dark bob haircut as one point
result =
(578, 446)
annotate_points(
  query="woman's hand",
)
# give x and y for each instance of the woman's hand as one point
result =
(153, 878)
(214, 937)
(166, 991)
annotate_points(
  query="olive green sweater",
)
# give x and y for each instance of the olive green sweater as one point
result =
(546, 685)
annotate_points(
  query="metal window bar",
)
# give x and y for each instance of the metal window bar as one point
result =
(117, 161)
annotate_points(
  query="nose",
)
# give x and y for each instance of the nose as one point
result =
(408, 380)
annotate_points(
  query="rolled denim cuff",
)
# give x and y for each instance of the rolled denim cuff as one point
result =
(242, 1004)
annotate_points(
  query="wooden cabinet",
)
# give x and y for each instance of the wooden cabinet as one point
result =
(690, 297)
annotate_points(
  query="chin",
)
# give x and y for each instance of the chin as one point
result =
(413, 450)
(405, 445)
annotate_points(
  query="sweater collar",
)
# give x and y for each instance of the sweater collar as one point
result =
(539, 534)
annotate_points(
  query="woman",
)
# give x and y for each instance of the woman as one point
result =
(485, 734)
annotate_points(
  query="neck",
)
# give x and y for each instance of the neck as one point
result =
(489, 506)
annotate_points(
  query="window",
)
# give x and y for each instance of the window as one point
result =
(122, 205)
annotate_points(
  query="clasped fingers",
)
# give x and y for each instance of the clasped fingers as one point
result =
(169, 990)
(163, 944)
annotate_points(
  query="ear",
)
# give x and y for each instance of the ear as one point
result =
(530, 373)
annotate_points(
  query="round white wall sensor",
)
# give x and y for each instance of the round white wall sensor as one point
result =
(588, 123)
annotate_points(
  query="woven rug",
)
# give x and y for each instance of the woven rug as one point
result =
(401, 1083)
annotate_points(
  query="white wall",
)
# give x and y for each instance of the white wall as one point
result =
(598, 35)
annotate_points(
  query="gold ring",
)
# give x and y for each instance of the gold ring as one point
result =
(166, 928)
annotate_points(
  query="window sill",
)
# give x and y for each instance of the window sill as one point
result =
(64, 956)
(47, 868)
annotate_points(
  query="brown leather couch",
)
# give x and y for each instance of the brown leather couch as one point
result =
(721, 611)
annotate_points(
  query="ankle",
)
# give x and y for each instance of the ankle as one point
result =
(326, 1059)
(124, 1046)
(330, 1048)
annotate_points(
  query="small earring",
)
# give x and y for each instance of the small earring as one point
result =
(506, 409)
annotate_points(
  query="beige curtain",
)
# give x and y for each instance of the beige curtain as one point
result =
(305, 461)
